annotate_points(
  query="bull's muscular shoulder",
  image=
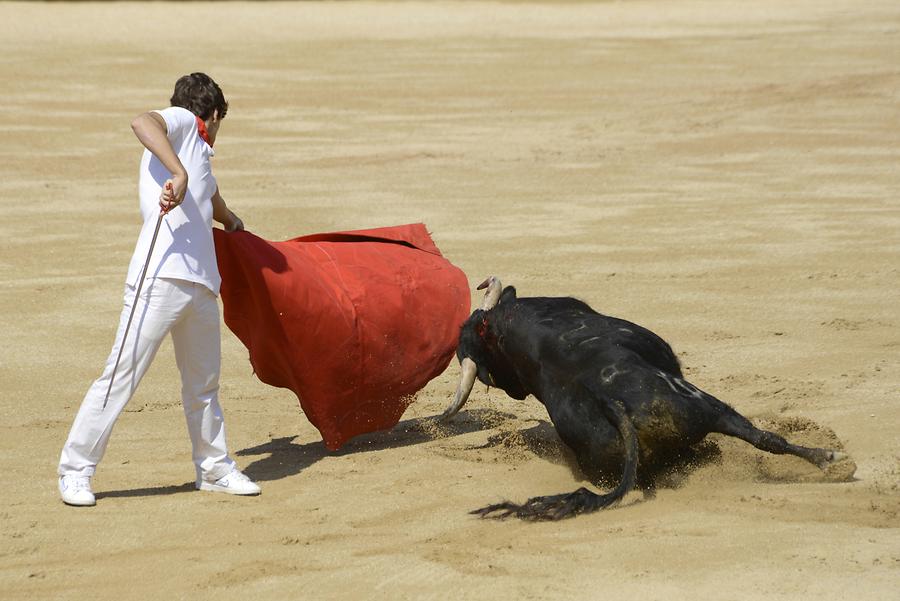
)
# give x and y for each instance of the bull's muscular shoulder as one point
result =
(559, 307)
(580, 331)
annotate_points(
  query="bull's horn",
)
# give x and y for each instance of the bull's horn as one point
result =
(468, 369)
(494, 288)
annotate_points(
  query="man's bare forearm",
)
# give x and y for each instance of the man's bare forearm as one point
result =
(224, 215)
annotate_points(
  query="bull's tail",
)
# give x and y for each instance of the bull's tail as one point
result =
(615, 412)
(557, 507)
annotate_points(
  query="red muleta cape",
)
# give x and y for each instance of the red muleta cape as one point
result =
(354, 323)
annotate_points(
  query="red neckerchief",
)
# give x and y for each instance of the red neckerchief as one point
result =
(201, 129)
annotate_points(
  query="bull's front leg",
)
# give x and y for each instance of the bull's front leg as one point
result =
(585, 441)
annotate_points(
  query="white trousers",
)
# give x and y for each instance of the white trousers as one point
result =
(190, 312)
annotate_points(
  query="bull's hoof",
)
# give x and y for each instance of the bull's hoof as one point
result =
(838, 467)
(835, 456)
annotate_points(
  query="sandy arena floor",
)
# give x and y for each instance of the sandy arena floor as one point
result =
(725, 173)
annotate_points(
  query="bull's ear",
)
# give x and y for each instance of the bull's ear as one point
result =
(508, 295)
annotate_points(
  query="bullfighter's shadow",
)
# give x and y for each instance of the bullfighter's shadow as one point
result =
(286, 458)
(146, 492)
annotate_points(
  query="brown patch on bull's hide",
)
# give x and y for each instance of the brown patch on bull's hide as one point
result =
(658, 430)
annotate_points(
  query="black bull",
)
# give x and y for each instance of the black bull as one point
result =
(614, 392)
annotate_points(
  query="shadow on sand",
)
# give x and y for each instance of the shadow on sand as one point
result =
(147, 492)
(287, 458)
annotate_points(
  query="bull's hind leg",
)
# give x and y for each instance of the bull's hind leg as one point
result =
(734, 424)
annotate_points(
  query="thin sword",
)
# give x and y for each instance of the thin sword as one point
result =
(134, 305)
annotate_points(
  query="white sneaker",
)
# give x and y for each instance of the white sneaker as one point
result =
(235, 483)
(76, 490)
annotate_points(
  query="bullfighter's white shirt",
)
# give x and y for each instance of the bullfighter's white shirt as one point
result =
(184, 249)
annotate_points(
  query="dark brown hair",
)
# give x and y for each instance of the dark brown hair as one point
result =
(199, 94)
